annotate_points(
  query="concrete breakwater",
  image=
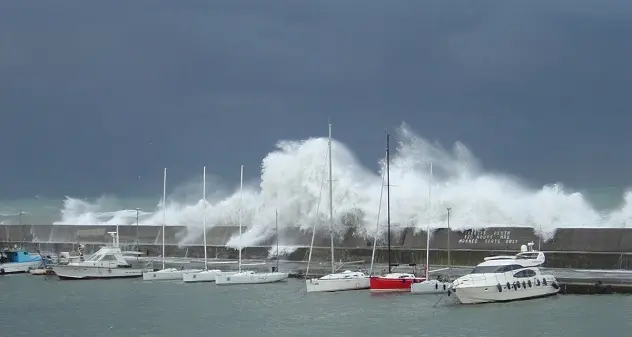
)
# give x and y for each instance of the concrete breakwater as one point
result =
(608, 248)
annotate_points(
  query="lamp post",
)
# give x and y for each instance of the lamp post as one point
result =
(137, 215)
(21, 230)
(449, 259)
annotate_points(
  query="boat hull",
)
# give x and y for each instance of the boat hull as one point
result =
(66, 272)
(330, 285)
(489, 293)
(19, 267)
(204, 276)
(430, 287)
(386, 284)
(169, 274)
(251, 278)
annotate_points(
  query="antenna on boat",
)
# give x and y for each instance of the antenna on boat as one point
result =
(388, 199)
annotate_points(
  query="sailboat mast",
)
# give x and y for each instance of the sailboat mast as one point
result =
(164, 214)
(276, 224)
(429, 219)
(331, 205)
(204, 216)
(388, 199)
(241, 200)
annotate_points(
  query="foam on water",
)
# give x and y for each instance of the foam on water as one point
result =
(293, 181)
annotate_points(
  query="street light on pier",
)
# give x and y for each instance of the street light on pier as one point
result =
(137, 242)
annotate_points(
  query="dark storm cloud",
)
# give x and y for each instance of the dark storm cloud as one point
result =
(94, 95)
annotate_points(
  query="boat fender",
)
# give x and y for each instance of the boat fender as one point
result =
(537, 282)
(524, 285)
(436, 285)
(555, 285)
(444, 286)
(508, 286)
(514, 286)
(449, 292)
(500, 288)
(544, 281)
(2, 271)
(529, 283)
(518, 284)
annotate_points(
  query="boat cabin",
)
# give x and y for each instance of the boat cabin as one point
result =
(105, 257)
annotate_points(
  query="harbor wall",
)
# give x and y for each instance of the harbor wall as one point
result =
(569, 247)
(505, 238)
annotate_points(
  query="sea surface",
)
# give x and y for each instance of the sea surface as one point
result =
(44, 306)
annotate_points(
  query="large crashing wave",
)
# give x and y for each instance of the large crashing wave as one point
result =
(294, 183)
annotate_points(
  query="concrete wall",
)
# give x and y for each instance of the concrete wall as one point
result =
(491, 239)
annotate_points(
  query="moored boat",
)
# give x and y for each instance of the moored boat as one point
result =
(391, 282)
(107, 263)
(18, 260)
(506, 278)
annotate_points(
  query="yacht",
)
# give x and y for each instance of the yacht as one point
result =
(506, 278)
(108, 262)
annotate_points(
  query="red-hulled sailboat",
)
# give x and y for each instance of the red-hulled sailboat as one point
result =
(391, 282)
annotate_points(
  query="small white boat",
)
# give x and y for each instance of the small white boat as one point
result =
(429, 286)
(347, 280)
(249, 277)
(166, 274)
(506, 278)
(108, 262)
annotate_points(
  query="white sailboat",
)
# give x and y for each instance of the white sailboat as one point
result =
(347, 280)
(248, 277)
(165, 274)
(205, 275)
(429, 286)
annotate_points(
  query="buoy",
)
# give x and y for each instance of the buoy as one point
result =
(500, 288)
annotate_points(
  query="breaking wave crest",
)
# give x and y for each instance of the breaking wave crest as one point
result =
(294, 183)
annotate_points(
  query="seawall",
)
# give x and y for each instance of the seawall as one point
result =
(570, 247)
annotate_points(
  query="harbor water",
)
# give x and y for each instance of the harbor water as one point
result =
(47, 307)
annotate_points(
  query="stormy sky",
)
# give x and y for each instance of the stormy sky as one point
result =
(95, 94)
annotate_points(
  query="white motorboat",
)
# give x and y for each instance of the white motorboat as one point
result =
(506, 278)
(108, 262)
(347, 280)
(166, 274)
(249, 277)
(428, 286)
